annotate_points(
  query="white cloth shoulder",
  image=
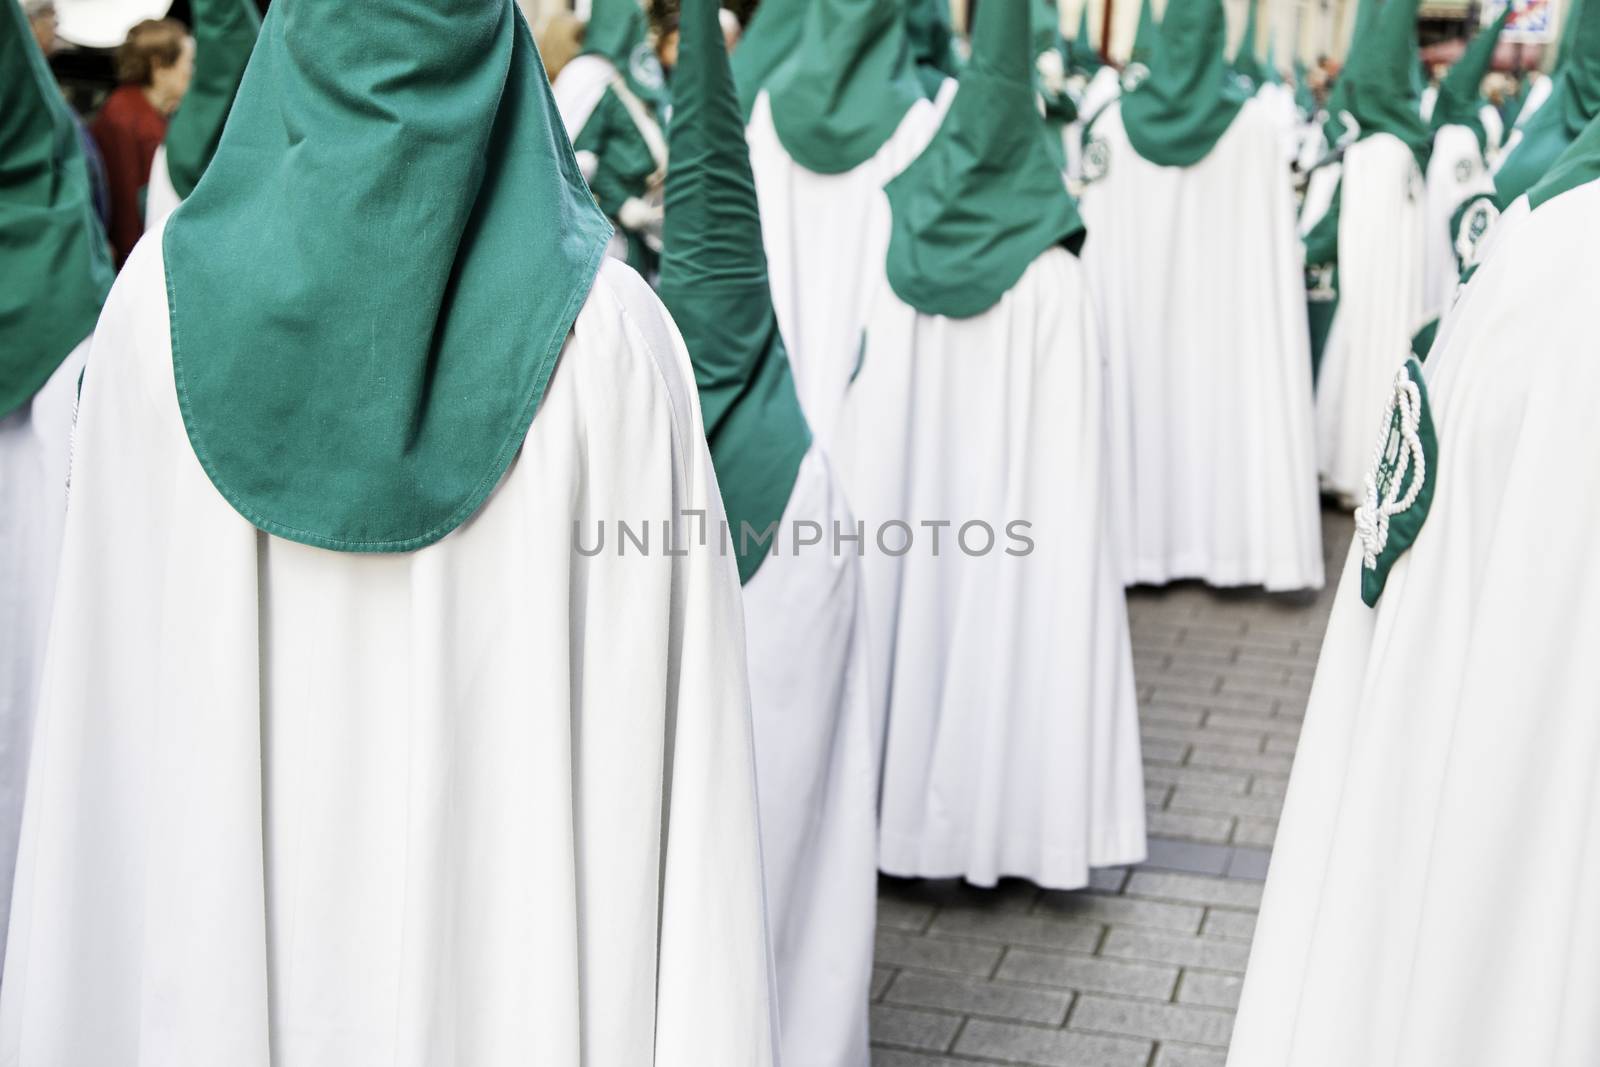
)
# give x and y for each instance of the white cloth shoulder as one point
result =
(160, 198)
(578, 89)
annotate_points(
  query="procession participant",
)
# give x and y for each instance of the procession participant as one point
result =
(154, 66)
(933, 45)
(1459, 165)
(1444, 783)
(805, 631)
(1246, 63)
(1101, 82)
(836, 121)
(769, 39)
(57, 268)
(1050, 71)
(1198, 282)
(224, 34)
(379, 761)
(1379, 252)
(1002, 653)
(610, 96)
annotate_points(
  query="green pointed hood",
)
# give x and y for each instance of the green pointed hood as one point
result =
(1460, 101)
(1578, 165)
(984, 199)
(1246, 63)
(1145, 37)
(1175, 117)
(1082, 56)
(714, 282)
(842, 94)
(224, 35)
(932, 43)
(369, 290)
(767, 42)
(619, 31)
(1377, 83)
(1573, 103)
(1304, 98)
(1339, 96)
(53, 255)
(1569, 37)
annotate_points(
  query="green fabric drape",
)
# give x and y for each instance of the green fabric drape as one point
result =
(842, 94)
(224, 35)
(767, 42)
(1460, 101)
(714, 281)
(1176, 116)
(369, 291)
(1304, 98)
(1578, 165)
(1082, 57)
(985, 198)
(1573, 103)
(933, 49)
(1146, 37)
(619, 31)
(1378, 89)
(1059, 107)
(53, 254)
(1246, 62)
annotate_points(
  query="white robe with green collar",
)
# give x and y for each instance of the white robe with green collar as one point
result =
(1431, 897)
(489, 802)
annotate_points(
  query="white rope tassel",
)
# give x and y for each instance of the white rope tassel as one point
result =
(1401, 446)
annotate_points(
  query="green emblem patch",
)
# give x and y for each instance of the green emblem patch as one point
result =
(1477, 217)
(1096, 159)
(1399, 485)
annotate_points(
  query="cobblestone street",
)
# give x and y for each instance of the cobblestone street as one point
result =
(1144, 968)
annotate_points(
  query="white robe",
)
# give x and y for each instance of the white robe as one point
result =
(816, 776)
(1381, 228)
(1431, 897)
(1199, 275)
(160, 197)
(487, 803)
(826, 237)
(1456, 173)
(1013, 742)
(35, 450)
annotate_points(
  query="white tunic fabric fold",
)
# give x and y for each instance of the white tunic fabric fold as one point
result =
(1012, 744)
(1199, 276)
(816, 776)
(35, 453)
(579, 88)
(826, 237)
(1381, 228)
(1431, 897)
(160, 197)
(488, 803)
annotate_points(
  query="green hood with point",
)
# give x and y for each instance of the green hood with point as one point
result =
(1460, 101)
(1378, 84)
(1246, 62)
(767, 42)
(1177, 114)
(224, 35)
(1573, 103)
(370, 289)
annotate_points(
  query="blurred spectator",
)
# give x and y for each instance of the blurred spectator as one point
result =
(560, 40)
(42, 19)
(732, 28)
(154, 66)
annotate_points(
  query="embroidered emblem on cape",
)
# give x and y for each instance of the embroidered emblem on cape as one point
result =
(1133, 75)
(1320, 287)
(1476, 221)
(1465, 169)
(1399, 485)
(1096, 160)
(644, 67)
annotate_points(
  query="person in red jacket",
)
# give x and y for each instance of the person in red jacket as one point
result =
(154, 66)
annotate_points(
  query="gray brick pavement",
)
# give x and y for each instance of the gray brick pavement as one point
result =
(1143, 968)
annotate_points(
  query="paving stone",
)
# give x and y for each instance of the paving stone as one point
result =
(1160, 751)
(1252, 724)
(1140, 1018)
(1044, 931)
(1098, 907)
(1217, 829)
(977, 997)
(1249, 863)
(881, 977)
(1211, 802)
(1225, 922)
(1156, 796)
(1078, 972)
(1255, 833)
(1108, 879)
(897, 913)
(1281, 745)
(1210, 990)
(1016, 1043)
(894, 1057)
(1226, 759)
(1180, 1056)
(1151, 947)
(1191, 857)
(1214, 701)
(1266, 785)
(929, 954)
(1170, 714)
(1217, 781)
(907, 1028)
(1193, 735)
(1195, 890)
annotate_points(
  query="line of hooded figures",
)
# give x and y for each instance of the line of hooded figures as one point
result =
(321, 742)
